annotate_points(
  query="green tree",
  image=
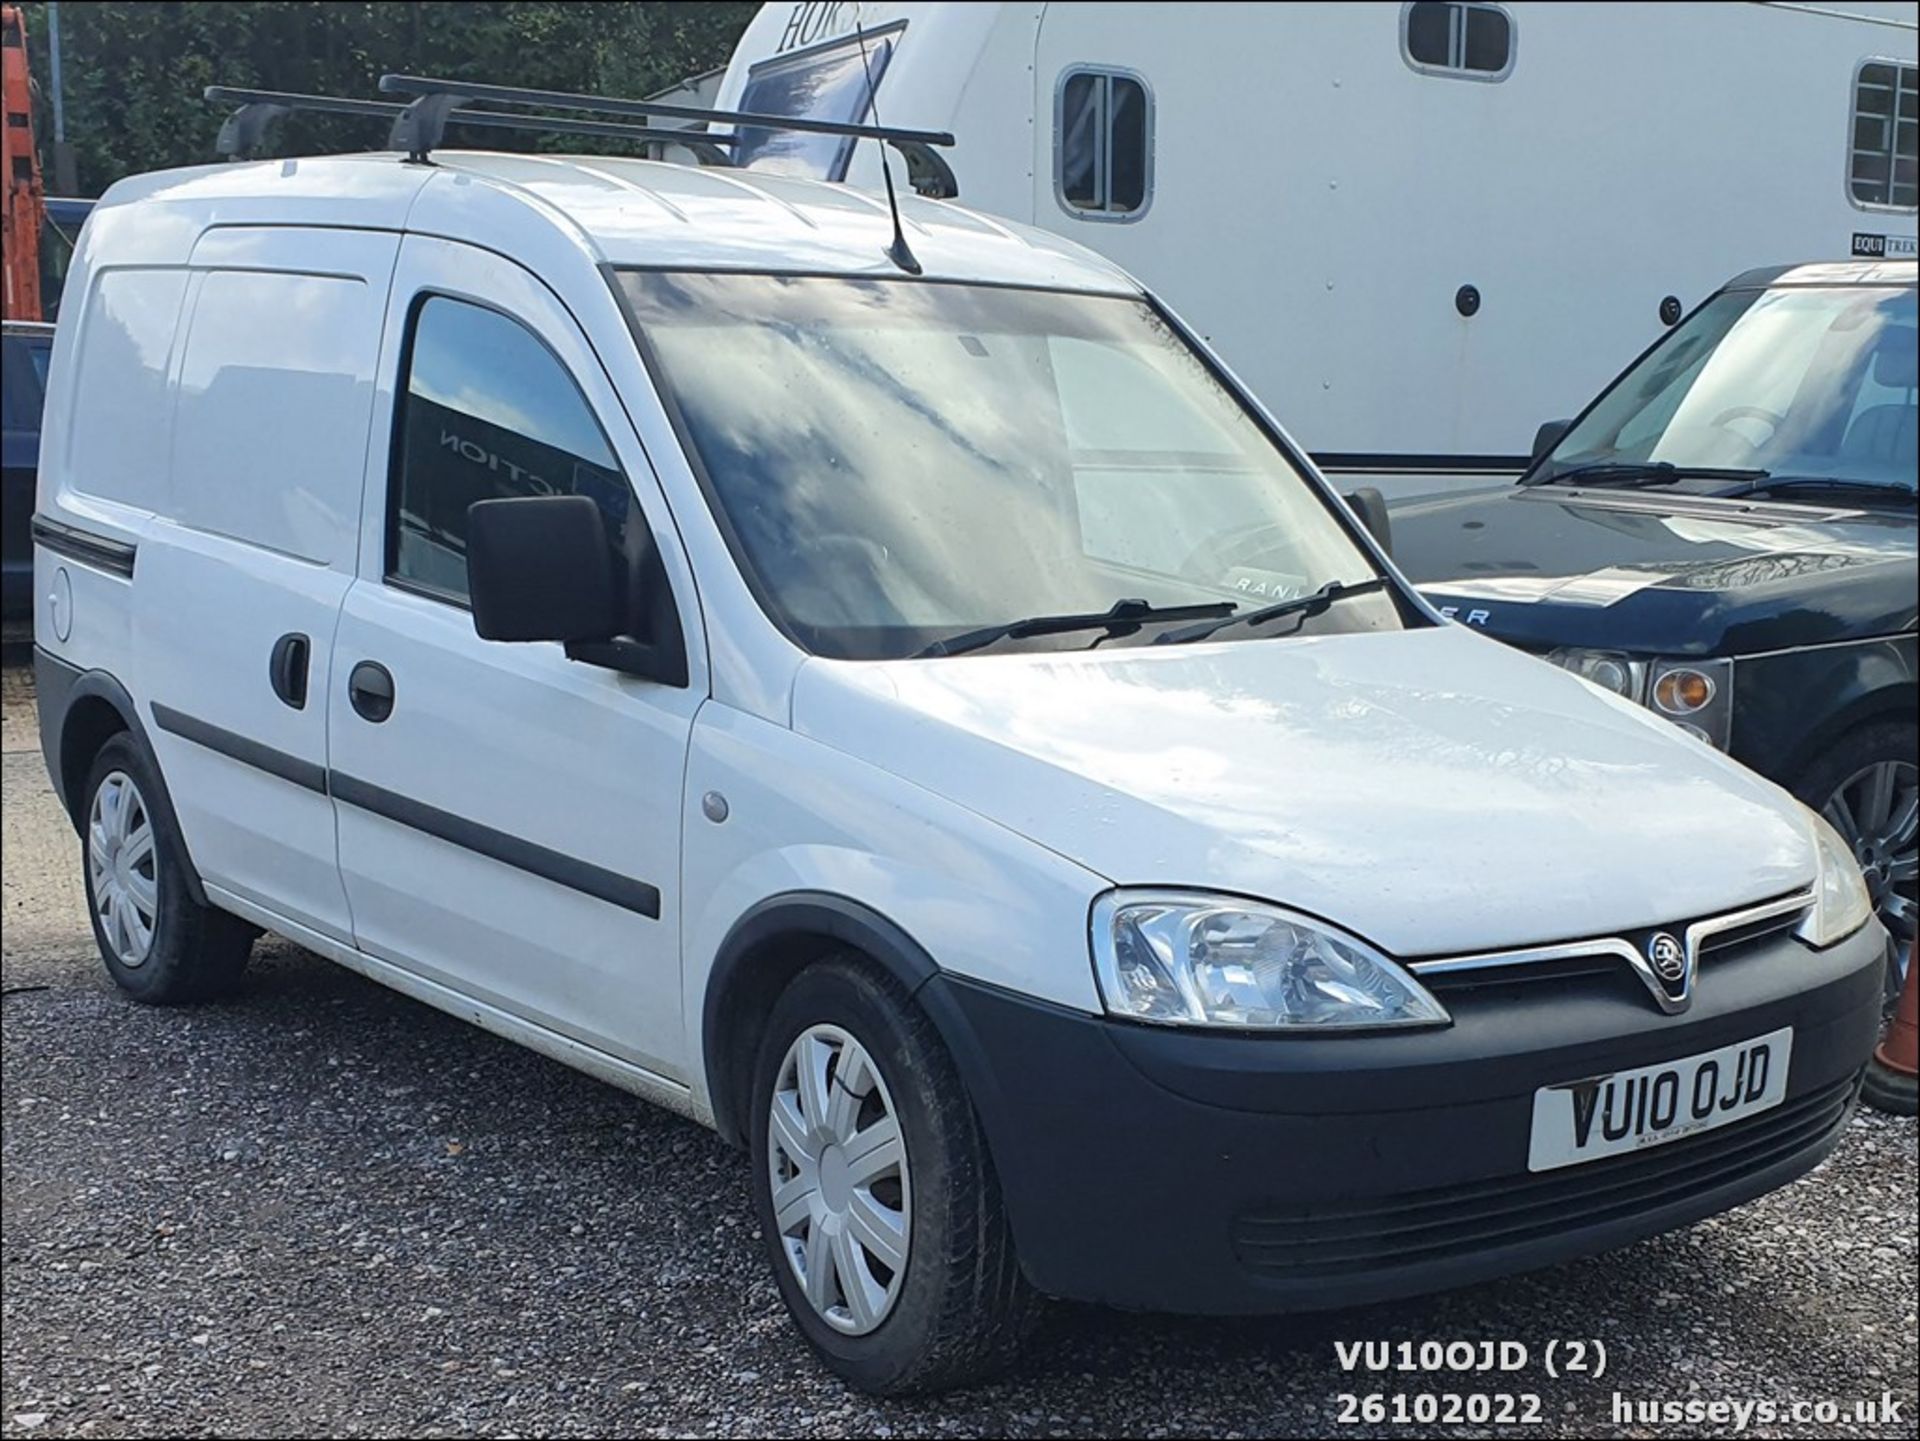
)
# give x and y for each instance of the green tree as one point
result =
(134, 69)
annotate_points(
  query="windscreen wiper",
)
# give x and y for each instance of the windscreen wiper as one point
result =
(1124, 615)
(1629, 474)
(1772, 484)
(1304, 605)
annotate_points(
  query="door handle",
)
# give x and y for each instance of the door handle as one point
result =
(287, 669)
(370, 690)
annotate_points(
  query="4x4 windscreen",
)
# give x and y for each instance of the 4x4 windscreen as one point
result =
(1802, 381)
(897, 463)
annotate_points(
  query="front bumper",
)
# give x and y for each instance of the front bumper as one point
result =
(1172, 1170)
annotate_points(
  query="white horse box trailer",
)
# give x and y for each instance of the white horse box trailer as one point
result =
(1415, 230)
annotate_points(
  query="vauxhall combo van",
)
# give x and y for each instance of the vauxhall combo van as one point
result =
(627, 606)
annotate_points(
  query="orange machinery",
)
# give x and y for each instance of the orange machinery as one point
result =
(22, 199)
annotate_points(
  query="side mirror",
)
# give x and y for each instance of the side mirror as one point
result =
(1371, 506)
(1547, 437)
(539, 568)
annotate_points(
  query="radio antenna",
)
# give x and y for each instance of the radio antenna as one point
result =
(898, 252)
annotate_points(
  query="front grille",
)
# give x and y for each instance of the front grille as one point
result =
(1378, 1232)
(1732, 944)
(1614, 965)
(1599, 973)
(1576, 975)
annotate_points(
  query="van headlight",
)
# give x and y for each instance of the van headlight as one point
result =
(1841, 902)
(1189, 959)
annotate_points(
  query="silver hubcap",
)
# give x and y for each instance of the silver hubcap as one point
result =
(124, 866)
(1878, 812)
(838, 1166)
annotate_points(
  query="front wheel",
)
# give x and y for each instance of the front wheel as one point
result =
(875, 1193)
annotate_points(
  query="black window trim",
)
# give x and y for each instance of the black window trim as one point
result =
(1461, 72)
(1102, 214)
(1876, 207)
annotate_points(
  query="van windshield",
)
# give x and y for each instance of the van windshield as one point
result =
(896, 463)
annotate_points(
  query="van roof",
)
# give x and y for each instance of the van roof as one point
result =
(629, 213)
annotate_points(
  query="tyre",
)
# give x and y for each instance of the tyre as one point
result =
(160, 945)
(1868, 787)
(874, 1191)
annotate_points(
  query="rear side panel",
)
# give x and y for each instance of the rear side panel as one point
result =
(237, 592)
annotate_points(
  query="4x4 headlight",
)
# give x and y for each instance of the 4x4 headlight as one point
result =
(1609, 669)
(1841, 902)
(1186, 958)
(1696, 695)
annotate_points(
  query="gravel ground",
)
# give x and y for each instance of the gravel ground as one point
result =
(323, 1208)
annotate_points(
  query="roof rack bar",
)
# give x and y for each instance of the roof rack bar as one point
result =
(420, 85)
(243, 130)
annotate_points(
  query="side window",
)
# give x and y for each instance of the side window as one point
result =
(1468, 41)
(1103, 144)
(1883, 162)
(488, 412)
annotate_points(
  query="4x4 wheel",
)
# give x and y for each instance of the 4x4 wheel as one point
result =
(160, 945)
(874, 1191)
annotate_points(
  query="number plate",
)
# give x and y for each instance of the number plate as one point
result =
(1579, 1121)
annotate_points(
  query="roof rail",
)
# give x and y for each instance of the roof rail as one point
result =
(421, 128)
(245, 129)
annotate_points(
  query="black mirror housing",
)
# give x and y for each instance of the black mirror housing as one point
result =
(1371, 506)
(540, 568)
(1547, 437)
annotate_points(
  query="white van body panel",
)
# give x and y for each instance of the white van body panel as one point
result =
(273, 386)
(493, 733)
(1316, 201)
(984, 901)
(1334, 771)
(275, 391)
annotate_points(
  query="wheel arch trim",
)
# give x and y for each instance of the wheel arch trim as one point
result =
(835, 920)
(1890, 702)
(61, 688)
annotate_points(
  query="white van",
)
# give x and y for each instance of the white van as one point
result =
(935, 729)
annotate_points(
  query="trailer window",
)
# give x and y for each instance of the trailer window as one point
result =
(1883, 163)
(1467, 41)
(832, 82)
(1103, 144)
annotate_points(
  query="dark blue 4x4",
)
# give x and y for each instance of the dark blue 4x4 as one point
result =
(25, 347)
(1727, 536)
